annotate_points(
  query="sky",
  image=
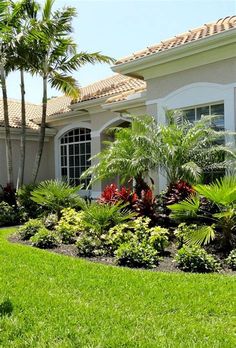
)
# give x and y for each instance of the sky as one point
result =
(118, 28)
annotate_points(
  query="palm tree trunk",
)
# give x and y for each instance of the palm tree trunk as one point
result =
(140, 185)
(7, 128)
(41, 133)
(20, 179)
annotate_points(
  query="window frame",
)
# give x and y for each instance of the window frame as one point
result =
(65, 155)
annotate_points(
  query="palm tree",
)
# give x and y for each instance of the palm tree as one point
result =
(187, 150)
(5, 37)
(131, 156)
(181, 149)
(56, 58)
(22, 16)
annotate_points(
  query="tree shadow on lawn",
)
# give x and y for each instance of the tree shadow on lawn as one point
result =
(6, 308)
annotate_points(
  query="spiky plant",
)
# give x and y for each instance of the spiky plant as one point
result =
(223, 194)
(54, 195)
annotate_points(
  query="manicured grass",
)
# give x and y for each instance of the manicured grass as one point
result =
(49, 300)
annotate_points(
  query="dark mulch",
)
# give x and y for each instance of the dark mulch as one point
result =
(165, 265)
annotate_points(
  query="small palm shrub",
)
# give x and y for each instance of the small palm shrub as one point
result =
(101, 217)
(45, 239)
(222, 193)
(54, 195)
(8, 215)
(195, 259)
(30, 228)
(231, 260)
(194, 234)
(136, 255)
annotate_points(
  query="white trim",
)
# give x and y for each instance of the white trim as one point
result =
(114, 121)
(56, 143)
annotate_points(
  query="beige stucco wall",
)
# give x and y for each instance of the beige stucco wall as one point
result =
(46, 170)
(223, 72)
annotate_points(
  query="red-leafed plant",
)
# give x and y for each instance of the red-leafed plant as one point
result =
(112, 195)
(177, 192)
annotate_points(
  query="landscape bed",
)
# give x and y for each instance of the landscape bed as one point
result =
(49, 300)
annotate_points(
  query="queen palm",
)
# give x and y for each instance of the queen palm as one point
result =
(5, 35)
(55, 59)
(182, 150)
(131, 156)
(23, 13)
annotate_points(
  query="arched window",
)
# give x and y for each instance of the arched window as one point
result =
(75, 152)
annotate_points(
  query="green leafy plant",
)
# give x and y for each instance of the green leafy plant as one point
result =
(8, 215)
(195, 259)
(45, 239)
(30, 228)
(90, 245)
(70, 225)
(50, 221)
(231, 260)
(55, 195)
(223, 194)
(136, 255)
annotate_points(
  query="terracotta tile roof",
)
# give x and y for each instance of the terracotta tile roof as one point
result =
(206, 30)
(124, 96)
(115, 84)
(14, 108)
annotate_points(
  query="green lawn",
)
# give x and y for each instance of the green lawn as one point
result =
(49, 300)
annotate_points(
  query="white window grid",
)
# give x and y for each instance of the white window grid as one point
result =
(218, 122)
(75, 152)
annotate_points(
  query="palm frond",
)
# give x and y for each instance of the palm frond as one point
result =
(64, 83)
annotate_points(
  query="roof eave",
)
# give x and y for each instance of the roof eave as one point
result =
(133, 67)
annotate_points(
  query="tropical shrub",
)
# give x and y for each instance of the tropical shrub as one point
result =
(50, 221)
(139, 232)
(8, 194)
(45, 239)
(54, 195)
(25, 203)
(222, 193)
(181, 149)
(133, 254)
(30, 228)
(90, 245)
(231, 260)
(8, 215)
(195, 259)
(70, 225)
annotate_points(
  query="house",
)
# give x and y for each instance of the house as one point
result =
(194, 71)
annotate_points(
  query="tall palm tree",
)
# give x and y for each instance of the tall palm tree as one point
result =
(23, 14)
(56, 59)
(5, 37)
